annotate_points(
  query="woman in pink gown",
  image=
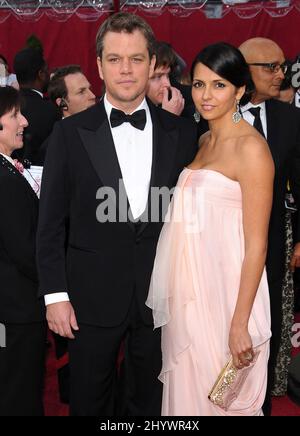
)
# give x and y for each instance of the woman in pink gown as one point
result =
(209, 290)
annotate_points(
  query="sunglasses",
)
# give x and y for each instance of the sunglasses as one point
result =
(273, 67)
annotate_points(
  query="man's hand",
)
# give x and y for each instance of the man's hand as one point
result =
(295, 260)
(61, 319)
(176, 104)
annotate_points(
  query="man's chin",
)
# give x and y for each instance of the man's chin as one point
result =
(130, 97)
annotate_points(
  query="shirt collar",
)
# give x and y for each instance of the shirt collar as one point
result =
(108, 106)
(38, 92)
(250, 105)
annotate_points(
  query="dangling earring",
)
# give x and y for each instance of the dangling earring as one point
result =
(236, 116)
(197, 116)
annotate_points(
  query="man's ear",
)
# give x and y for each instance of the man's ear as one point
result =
(99, 65)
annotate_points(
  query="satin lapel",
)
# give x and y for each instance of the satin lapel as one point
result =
(102, 154)
(274, 129)
(165, 143)
(15, 173)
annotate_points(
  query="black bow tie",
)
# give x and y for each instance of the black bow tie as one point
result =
(137, 119)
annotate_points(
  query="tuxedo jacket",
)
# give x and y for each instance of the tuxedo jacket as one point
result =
(106, 263)
(41, 115)
(18, 225)
(283, 132)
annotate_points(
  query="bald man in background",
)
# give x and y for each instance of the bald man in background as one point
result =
(280, 124)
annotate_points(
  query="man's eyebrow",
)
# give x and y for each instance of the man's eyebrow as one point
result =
(131, 56)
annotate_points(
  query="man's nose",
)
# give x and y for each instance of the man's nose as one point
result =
(125, 66)
(166, 81)
(91, 95)
(280, 74)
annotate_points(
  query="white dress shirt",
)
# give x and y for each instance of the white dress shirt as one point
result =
(134, 152)
(250, 118)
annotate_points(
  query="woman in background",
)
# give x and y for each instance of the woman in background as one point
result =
(21, 314)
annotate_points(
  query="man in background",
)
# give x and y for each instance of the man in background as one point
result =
(279, 123)
(70, 90)
(71, 93)
(33, 77)
(159, 89)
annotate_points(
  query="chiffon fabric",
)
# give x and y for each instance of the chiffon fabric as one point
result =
(193, 293)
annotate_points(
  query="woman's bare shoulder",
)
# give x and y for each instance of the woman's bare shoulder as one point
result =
(254, 155)
(252, 144)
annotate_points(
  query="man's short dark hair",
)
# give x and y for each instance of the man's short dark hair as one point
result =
(57, 85)
(165, 56)
(127, 23)
(27, 64)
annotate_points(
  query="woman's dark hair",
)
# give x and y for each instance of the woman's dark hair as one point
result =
(228, 62)
(9, 99)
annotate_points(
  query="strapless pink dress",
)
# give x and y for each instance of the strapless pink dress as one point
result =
(193, 293)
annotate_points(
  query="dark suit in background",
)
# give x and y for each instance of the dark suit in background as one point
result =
(41, 115)
(108, 265)
(22, 360)
(283, 137)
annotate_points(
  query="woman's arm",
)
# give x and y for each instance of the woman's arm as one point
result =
(255, 174)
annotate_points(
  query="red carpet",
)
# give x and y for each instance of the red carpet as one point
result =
(282, 406)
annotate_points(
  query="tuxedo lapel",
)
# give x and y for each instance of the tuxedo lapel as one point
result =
(164, 150)
(102, 154)
(165, 143)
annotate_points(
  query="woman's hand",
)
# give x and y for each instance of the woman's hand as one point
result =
(240, 345)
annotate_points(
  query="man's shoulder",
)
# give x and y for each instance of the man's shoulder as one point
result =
(86, 118)
(173, 120)
(283, 108)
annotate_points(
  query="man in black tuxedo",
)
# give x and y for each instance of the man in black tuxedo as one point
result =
(33, 77)
(108, 266)
(280, 124)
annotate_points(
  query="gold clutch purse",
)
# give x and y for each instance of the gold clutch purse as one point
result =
(229, 383)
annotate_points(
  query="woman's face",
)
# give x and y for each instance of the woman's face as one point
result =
(214, 97)
(11, 136)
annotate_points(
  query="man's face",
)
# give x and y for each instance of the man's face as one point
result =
(157, 83)
(125, 68)
(267, 83)
(80, 96)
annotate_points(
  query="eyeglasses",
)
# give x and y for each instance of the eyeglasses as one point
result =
(273, 67)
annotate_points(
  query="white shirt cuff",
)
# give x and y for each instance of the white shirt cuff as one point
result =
(57, 297)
